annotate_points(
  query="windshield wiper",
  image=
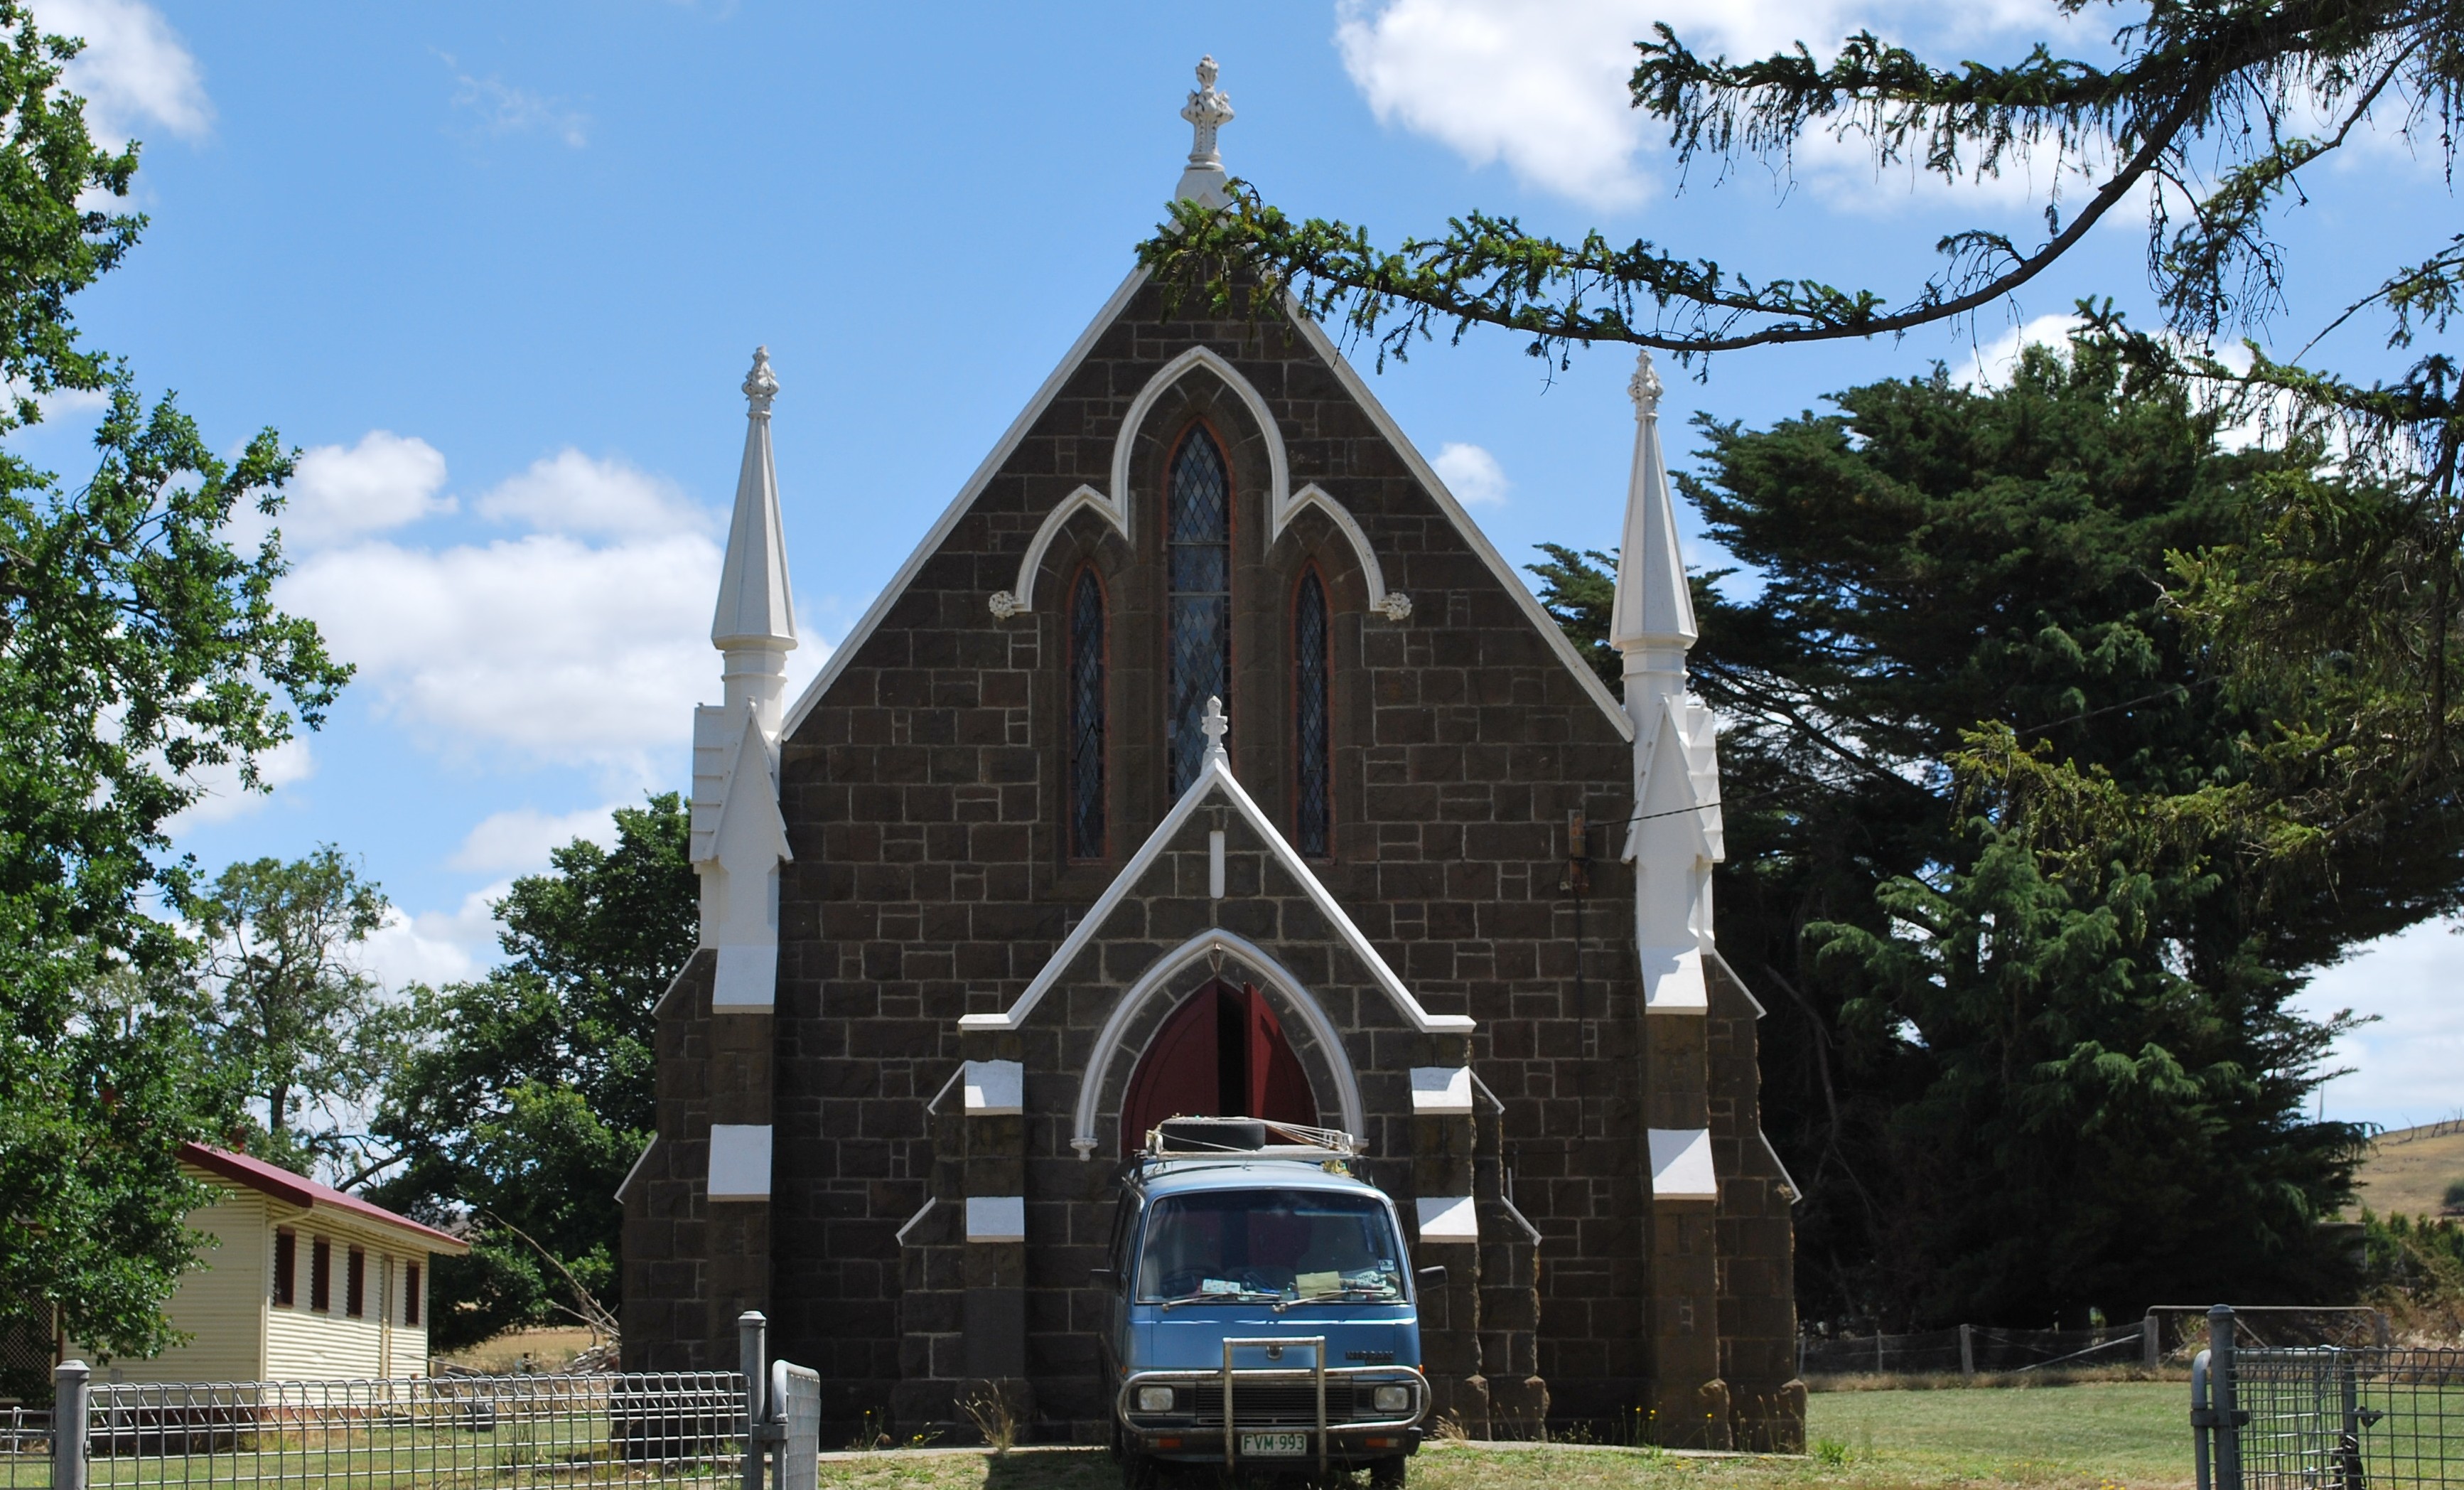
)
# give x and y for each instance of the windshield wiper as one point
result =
(1242, 1296)
(1332, 1293)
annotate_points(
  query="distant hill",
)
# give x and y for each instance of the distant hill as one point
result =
(2409, 1169)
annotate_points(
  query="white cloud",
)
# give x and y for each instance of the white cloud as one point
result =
(1544, 89)
(225, 798)
(545, 646)
(518, 841)
(1990, 366)
(434, 946)
(571, 492)
(134, 70)
(2406, 1065)
(500, 108)
(344, 491)
(1472, 473)
(551, 647)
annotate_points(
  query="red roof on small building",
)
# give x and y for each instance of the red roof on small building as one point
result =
(282, 1185)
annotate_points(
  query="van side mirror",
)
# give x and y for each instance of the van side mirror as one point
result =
(1104, 1277)
(1431, 1276)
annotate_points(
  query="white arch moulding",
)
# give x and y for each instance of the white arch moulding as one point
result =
(1108, 1040)
(1283, 503)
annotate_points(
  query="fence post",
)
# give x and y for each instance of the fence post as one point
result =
(1966, 1352)
(751, 1349)
(70, 1395)
(2202, 1421)
(2151, 1347)
(2220, 1370)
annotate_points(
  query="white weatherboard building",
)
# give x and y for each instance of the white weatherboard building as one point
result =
(303, 1282)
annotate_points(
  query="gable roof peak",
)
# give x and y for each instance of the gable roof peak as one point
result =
(1209, 108)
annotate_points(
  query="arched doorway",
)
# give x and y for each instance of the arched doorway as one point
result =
(1222, 1054)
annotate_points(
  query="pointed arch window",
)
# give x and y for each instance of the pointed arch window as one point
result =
(1312, 775)
(1198, 504)
(1086, 717)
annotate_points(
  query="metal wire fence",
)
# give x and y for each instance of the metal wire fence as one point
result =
(1968, 1350)
(503, 1431)
(2325, 1417)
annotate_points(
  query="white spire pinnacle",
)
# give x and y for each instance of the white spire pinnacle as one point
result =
(1652, 620)
(1213, 725)
(1207, 110)
(755, 626)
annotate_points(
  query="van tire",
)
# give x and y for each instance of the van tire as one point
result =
(1388, 1473)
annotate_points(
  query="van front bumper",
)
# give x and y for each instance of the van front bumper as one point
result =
(1216, 1413)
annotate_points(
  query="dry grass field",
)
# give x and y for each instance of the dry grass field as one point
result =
(548, 1350)
(2409, 1171)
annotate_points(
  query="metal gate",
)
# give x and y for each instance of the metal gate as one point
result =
(2324, 1417)
(707, 1431)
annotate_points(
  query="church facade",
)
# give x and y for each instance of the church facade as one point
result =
(1205, 756)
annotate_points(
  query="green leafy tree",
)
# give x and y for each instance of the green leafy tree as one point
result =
(1984, 782)
(138, 649)
(291, 1013)
(532, 1094)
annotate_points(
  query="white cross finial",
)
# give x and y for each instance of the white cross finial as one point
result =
(1644, 386)
(759, 386)
(1214, 726)
(1207, 110)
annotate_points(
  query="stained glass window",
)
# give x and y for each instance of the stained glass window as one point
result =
(1199, 530)
(1313, 811)
(1087, 718)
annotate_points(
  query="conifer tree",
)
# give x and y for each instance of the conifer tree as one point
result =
(2031, 1049)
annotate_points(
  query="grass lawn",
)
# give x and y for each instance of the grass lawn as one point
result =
(2095, 1436)
(2125, 1434)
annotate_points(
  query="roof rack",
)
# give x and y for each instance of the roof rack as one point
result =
(1246, 1138)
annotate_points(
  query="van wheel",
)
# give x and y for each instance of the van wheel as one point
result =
(1387, 1474)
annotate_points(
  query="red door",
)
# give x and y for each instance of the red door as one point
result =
(1222, 1054)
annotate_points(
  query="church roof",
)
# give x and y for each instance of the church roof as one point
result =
(1323, 347)
(1215, 779)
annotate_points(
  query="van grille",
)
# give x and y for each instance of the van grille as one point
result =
(1276, 1402)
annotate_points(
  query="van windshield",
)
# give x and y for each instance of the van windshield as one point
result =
(1286, 1245)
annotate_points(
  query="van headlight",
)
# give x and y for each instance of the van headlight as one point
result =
(1391, 1399)
(1155, 1399)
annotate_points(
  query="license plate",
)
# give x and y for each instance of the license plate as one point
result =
(1265, 1446)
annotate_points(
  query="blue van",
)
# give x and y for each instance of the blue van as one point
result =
(1262, 1312)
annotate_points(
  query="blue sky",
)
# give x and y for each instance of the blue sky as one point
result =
(498, 271)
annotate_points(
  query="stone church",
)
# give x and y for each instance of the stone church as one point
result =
(1205, 757)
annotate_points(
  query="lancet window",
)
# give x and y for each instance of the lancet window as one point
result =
(1198, 529)
(1314, 805)
(1086, 717)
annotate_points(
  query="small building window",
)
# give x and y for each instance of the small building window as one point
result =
(1087, 718)
(1199, 559)
(410, 1293)
(286, 1268)
(1312, 791)
(321, 1276)
(355, 1286)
